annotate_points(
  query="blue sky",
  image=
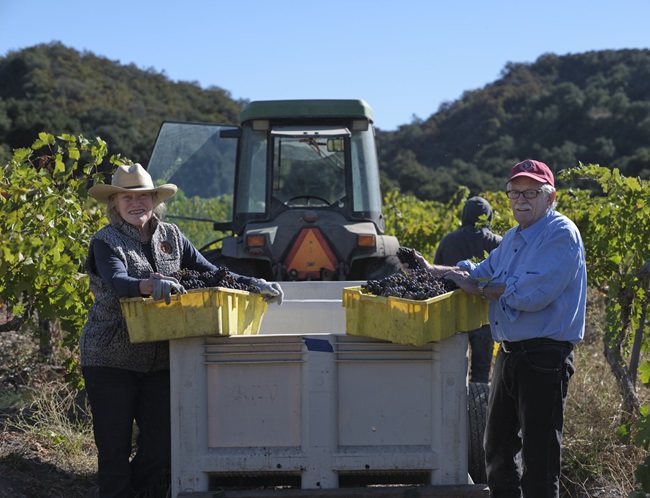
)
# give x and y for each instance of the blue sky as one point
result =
(404, 58)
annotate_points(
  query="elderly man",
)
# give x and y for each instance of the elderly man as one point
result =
(536, 284)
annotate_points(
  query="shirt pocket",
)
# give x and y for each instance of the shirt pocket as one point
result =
(499, 275)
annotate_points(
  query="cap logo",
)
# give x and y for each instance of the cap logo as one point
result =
(533, 169)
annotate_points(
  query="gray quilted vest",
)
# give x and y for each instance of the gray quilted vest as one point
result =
(105, 340)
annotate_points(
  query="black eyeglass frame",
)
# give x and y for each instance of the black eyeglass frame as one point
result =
(530, 193)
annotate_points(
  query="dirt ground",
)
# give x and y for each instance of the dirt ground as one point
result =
(27, 468)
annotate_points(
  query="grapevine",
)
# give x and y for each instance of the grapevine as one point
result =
(417, 285)
(221, 277)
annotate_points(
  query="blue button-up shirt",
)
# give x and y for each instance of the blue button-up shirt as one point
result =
(545, 274)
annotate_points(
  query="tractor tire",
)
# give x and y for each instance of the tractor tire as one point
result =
(380, 268)
(477, 401)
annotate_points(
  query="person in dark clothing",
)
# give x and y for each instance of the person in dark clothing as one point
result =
(466, 243)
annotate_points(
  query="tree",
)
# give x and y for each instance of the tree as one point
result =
(616, 229)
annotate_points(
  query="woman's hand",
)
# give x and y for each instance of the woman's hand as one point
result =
(271, 291)
(147, 285)
(161, 287)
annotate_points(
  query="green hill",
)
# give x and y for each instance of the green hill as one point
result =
(592, 107)
(59, 90)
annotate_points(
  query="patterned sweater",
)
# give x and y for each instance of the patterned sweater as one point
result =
(105, 340)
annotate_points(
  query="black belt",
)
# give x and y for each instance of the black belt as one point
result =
(511, 347)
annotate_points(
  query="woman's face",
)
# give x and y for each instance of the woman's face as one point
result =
(136, 208)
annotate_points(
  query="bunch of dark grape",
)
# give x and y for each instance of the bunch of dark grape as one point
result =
(221, 277)
(417, 285)
(406, 255)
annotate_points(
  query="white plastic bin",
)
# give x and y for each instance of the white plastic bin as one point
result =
(308, 308)
(317, 406)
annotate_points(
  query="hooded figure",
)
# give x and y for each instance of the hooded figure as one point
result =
(468, 242)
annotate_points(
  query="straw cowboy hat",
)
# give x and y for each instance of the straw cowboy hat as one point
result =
(133, 178)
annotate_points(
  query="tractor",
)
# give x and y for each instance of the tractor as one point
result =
(298, 182)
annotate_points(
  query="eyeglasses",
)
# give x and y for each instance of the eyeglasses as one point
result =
(528, 194)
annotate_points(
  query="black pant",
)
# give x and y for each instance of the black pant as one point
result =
(117, 399)
(482, 349)
(526, 413)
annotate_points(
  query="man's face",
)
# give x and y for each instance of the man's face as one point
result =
(528, 211)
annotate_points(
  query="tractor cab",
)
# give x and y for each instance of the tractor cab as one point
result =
(293, 192)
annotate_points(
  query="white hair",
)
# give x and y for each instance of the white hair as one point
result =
(548, 189)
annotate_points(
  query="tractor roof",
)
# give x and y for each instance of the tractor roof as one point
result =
(269, 109)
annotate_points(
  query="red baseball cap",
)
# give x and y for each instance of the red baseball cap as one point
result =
(536, 170)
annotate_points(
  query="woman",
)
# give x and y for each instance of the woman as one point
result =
(126, 382)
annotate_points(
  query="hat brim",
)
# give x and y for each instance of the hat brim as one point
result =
(539, 178)
(103, 191)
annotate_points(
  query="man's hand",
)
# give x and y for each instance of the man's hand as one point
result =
(462, 279)
(271, 291)
(410, 260)
(163, 287)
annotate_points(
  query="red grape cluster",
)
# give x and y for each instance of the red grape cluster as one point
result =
(407, 256)
(417, 285)
(221, 277)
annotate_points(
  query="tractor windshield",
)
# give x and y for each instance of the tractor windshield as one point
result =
(195, 158)
(366, 193)
(312, 167)
(201, 163)
(309, 167)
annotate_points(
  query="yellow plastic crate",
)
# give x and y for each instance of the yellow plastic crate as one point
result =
(201, 312)
(407, 321)
(471, 311)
